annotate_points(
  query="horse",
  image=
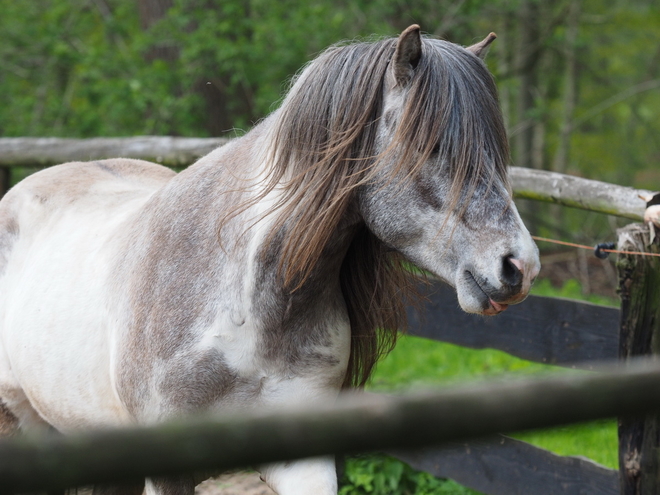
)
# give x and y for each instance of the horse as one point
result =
(275, 269)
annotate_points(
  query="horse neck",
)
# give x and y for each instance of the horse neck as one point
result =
(234, 175)
(270, 239)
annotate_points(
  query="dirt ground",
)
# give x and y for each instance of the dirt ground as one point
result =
(236, 483)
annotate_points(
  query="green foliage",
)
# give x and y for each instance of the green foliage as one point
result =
(81, 69)
(101, 68)
(597, 440)
(617, 130)
(382, 475)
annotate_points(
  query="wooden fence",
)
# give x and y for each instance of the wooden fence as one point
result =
(365, 422)
(545, 330)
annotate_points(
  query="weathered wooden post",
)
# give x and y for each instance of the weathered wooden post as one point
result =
(639, 283)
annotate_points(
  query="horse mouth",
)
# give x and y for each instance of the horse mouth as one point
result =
(489, 306)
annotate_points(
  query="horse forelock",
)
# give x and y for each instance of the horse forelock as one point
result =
(452, 109)
(323, 147)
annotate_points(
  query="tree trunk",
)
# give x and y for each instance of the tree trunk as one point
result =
(560, 162)
(523, 135)
(570, 89)
(211, 88)
(151, 11)
(527, 65)
(504, 65)
(5, 180)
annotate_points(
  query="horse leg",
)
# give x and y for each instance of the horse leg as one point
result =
(304, 477)
(8, 422)
(180, 485)
(10, 426)
(183, 485)
(136, 489)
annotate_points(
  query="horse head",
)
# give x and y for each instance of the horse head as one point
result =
(439, 192)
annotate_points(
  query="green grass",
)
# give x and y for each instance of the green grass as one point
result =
(418, 362)
(421, 363)
(570, 290)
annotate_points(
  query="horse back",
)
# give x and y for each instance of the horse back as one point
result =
(74, 188)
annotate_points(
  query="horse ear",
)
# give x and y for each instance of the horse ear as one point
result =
(480, 49)
(407, 55)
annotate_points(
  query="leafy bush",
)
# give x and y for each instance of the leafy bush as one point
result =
(382, 475)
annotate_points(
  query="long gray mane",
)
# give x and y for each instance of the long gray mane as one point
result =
(323, 150)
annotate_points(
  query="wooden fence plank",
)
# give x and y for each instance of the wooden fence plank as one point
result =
(542, 329)
(166, 150)
(527, 183)
(355, 424)
(639, 282)
(504, 466)
(578, 192)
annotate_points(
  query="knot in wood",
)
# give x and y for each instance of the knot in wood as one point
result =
(631, 463)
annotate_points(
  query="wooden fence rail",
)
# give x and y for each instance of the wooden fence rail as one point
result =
(44, 152)
(545, 330)
(179, 151)
(358, 423)
(500, 465)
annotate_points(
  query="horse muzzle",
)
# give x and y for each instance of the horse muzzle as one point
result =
(515, 280)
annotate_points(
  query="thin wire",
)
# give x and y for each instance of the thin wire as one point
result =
(591, 248)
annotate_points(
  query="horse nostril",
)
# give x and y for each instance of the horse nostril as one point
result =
(511, 271)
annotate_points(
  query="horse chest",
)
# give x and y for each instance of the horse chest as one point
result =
(247, 347)
(281, 340)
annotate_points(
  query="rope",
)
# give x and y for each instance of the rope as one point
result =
(597, 249)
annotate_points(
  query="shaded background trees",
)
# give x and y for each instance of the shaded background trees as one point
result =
(579, 80)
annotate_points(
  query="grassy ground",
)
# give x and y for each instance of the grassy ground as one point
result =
(418, 362)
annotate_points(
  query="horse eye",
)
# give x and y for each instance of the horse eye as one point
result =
(436, 149)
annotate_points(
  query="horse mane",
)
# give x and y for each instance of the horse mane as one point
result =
(323, 148)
